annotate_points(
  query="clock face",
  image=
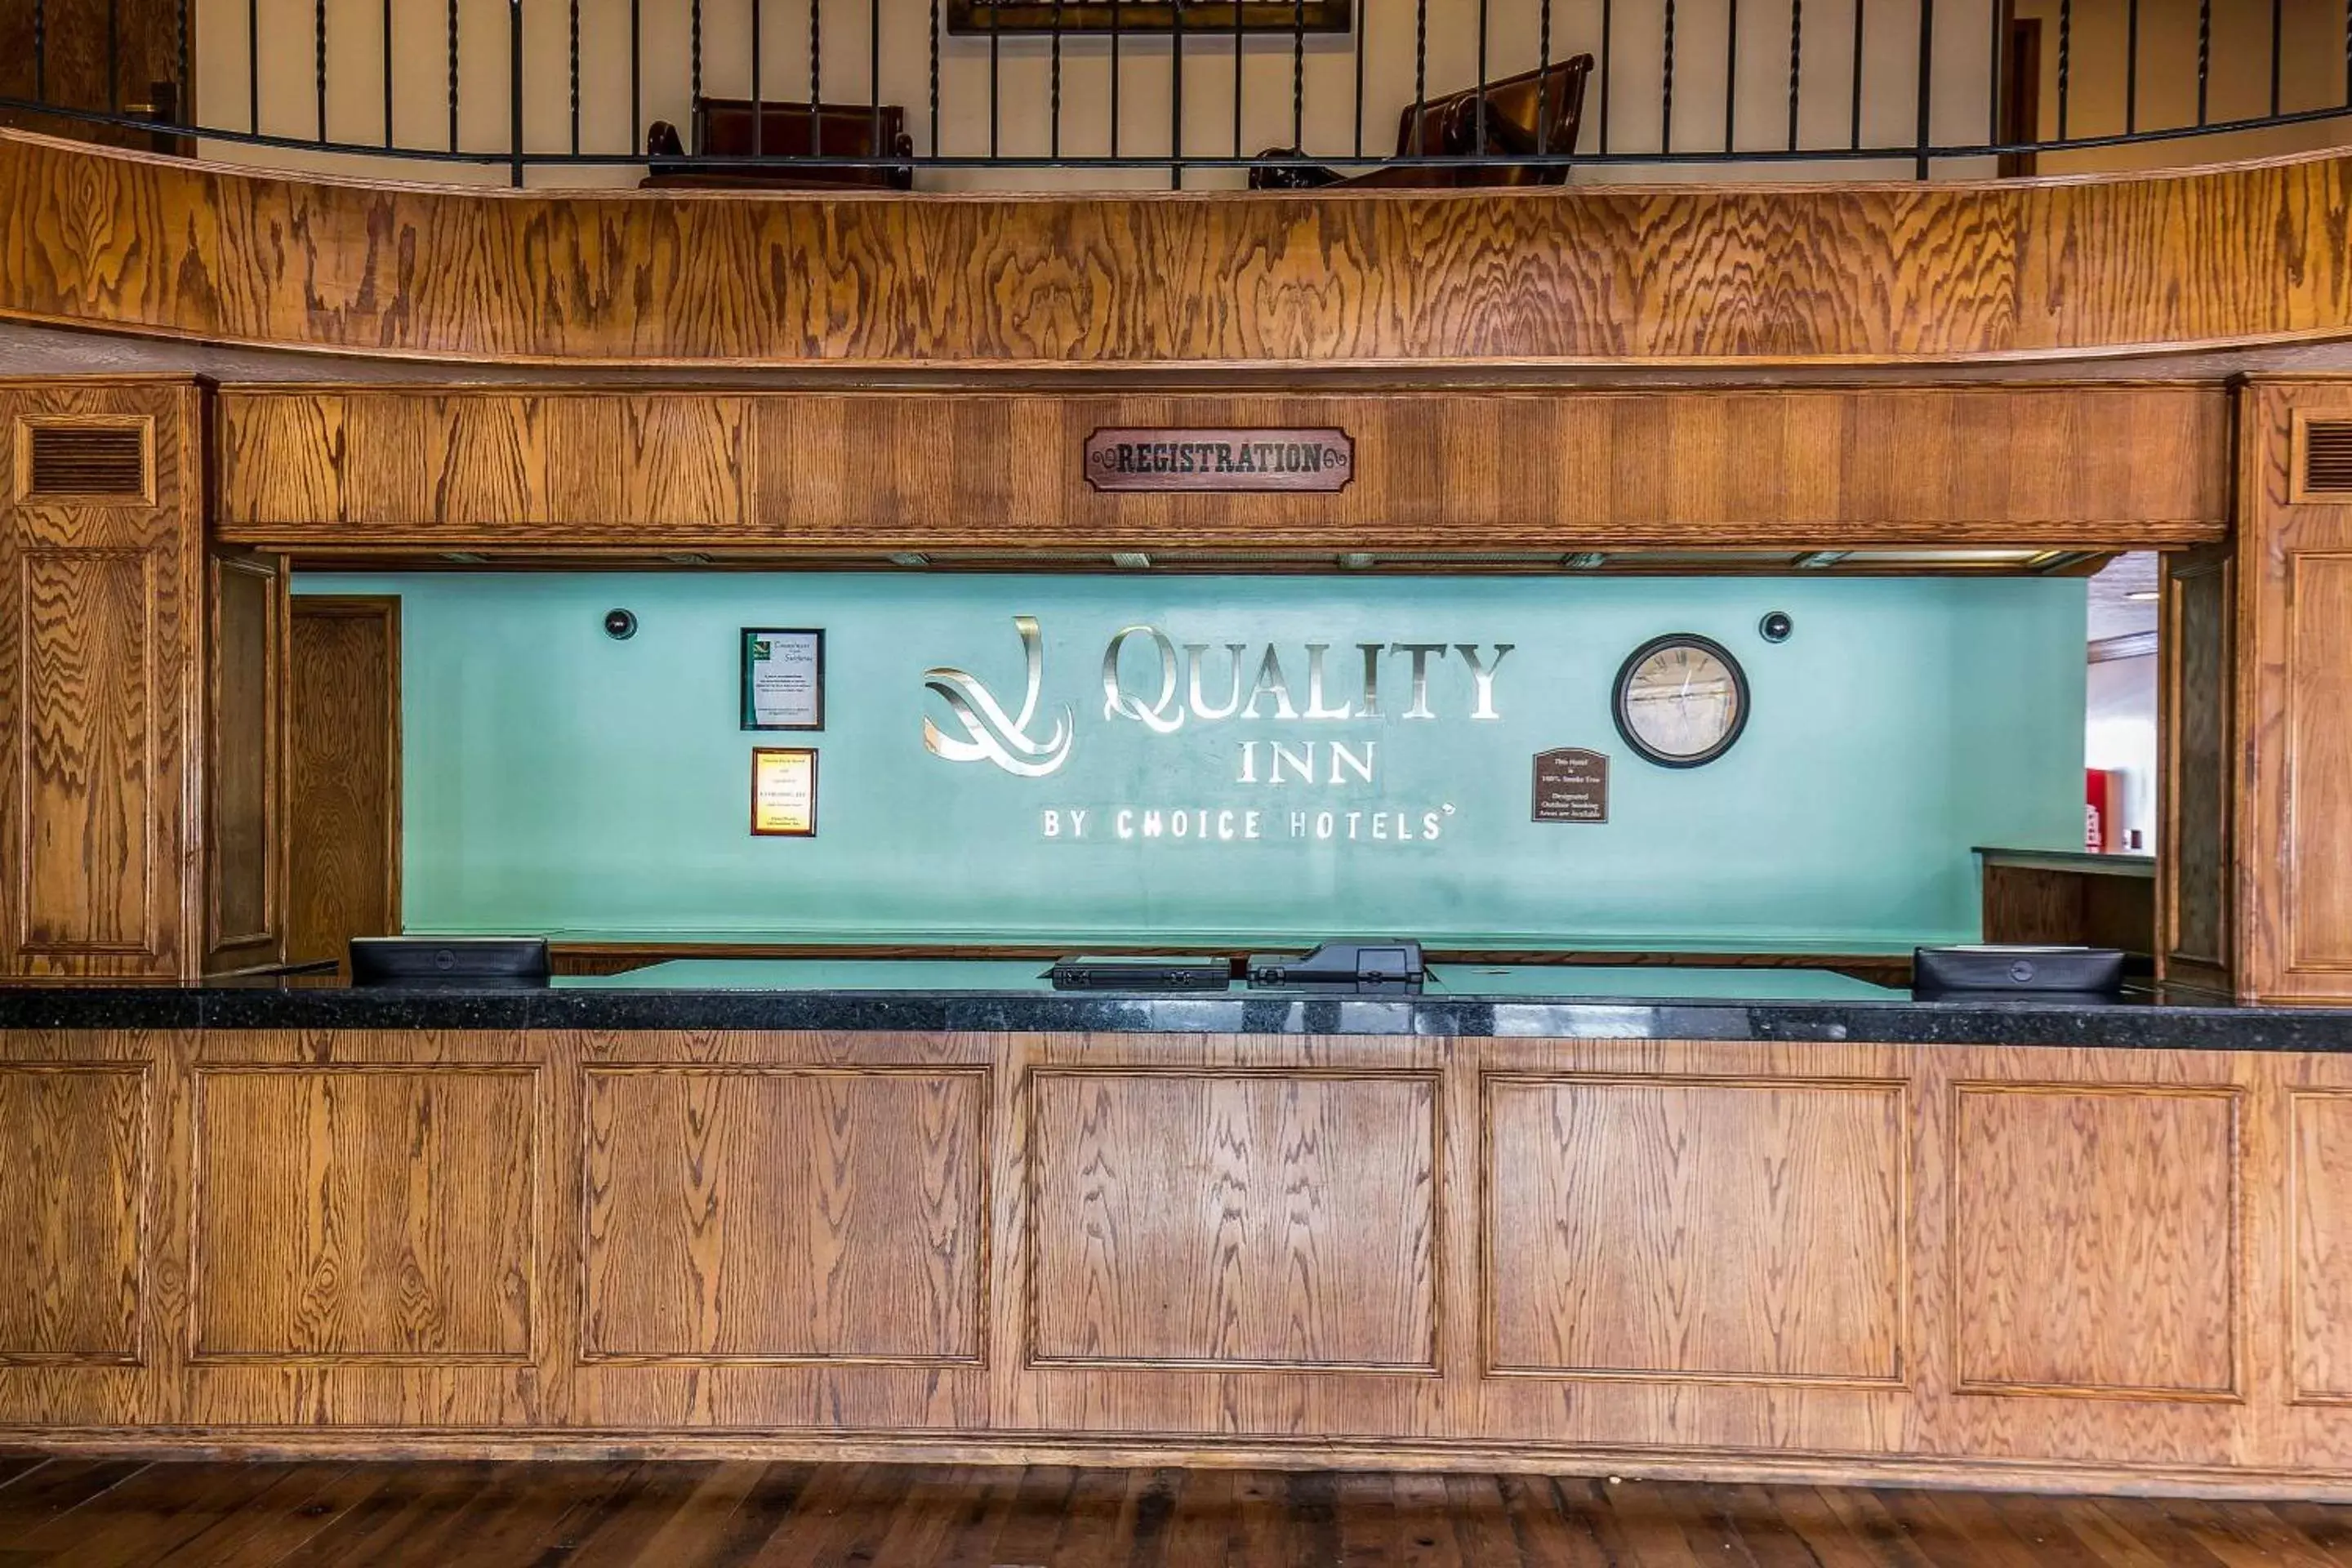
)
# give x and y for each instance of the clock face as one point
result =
(1680, 700)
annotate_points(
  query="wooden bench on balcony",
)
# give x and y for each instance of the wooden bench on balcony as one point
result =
(725, 126)
(1448, 128)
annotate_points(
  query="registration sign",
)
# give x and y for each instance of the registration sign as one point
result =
(1213, 459)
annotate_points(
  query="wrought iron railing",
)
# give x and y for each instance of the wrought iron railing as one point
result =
(1294, 92)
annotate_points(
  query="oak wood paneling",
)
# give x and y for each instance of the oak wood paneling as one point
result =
(364, 1212)
(2197, 804)
(103, 688)
(2293, 895)
(1268, 1219)
(2319, 1289)
(1847, 272)
(2121, 1204)
(73, 1207)
(245, 763)
(2092, 907)
(1694, 1229)
(343, 767)
(357, 470)
(741, 1214)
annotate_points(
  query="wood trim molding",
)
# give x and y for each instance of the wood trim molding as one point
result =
(1852, 273)
(957, 475)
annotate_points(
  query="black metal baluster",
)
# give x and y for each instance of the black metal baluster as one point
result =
(2348, 54)
(514, 93)
(1608, 54)
(1666, 100)
(1857, 74)
(694, 57)
(1478, 132)
(2275, 40)
(1299, 72)
(1543, 78)
(575, 78)
(874, 78)
(1796, 63)
(2131, 67)
(935, 78)
(2065, 63)
(1420, 70)
(114, 56)
(387, 69)
(1237, 79)
(1731, 75)
(995, 62)
(318, 61)
(1926, 85)
(1114, 83)
(1054, 127)
(453, 75)
(2204, 57)
(636, 75)
(1176, 95)
(816, 77)
(1363, 23)
(759, 103)
(253, 73)
(41, 47)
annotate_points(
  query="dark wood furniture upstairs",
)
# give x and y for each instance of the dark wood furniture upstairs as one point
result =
(728, 127)
(1534, 114)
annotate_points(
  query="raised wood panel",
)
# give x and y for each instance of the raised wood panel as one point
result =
(364, 1212)
(2196, 805)
(343, 774)
(1694, 1229)
(2319, 1215)
(2095, 1241)
(883, 472)
(749, 1214)
(102, 689)
(88, 862)
(1844, 271)
(1249, 1219)
(245, 764)
(2292, 896)
(73, 1211)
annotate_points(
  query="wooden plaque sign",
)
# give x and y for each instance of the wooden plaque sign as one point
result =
(1187, 459)
(1572, 786)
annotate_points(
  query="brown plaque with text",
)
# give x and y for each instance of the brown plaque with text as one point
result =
(1572, 786)
(1189, 459)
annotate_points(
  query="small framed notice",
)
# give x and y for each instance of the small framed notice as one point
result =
(1572, 786)
(783, 791)
(783, 679)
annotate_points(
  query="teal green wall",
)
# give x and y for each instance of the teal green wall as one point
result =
(557, 780)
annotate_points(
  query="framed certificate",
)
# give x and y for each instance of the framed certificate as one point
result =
(783, 679)
(783, 791)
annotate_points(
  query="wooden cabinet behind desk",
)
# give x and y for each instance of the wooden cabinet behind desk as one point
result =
(2073, 1268)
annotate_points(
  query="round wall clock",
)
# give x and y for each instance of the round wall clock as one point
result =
(1681, 700)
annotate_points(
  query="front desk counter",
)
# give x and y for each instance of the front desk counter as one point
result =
(1738, 1224)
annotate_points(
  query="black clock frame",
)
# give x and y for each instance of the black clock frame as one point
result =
(1633, 661)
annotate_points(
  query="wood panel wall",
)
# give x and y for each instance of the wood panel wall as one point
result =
(351, 471)
(1685, 273)
(2292, 689)
(140, 705)
(2049, 1267)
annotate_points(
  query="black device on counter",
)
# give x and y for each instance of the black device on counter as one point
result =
(1395, 963)
(1149, 971)
(494, 961)
(2036, 971)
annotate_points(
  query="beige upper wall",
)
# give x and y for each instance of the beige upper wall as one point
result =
(1631, 100)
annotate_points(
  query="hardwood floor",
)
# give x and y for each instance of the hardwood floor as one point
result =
(85, 1512)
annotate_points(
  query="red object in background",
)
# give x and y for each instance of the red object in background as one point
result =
(2102, 810)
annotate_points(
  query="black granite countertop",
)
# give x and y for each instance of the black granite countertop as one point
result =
(1554, 1002)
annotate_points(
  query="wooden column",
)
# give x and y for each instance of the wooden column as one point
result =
(2292, 686)
(130, 671)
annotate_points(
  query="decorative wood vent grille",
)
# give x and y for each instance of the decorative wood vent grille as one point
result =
(86, 459)
(2326, 461)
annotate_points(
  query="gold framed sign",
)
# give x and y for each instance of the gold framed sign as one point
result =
(1145, 16)
(783, 791)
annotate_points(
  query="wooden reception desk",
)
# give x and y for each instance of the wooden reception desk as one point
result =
(1817, 1235)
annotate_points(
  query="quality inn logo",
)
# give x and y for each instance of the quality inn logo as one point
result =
(989, 734)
